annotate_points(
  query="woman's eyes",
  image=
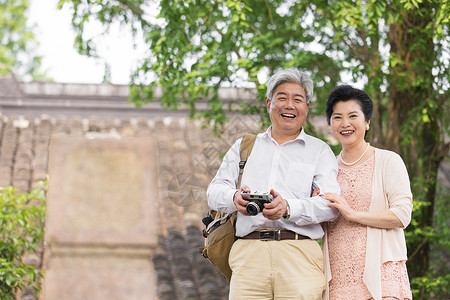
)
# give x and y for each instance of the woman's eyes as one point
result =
(339, 117)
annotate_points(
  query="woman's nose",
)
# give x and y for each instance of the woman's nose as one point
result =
(345, 122)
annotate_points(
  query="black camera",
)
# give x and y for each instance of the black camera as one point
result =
(257, 200)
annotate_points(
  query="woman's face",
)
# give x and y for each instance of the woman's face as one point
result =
(348, 123)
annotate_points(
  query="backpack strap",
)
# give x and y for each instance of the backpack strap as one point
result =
(246, 148)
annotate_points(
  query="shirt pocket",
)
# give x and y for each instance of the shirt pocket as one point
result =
(299, 179)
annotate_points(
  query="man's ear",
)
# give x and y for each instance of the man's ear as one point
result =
(268, 103)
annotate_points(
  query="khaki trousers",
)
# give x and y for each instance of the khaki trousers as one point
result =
(287, 269)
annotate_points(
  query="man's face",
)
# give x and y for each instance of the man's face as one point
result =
(288, 109)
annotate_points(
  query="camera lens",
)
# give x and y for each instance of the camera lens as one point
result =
(253, 208)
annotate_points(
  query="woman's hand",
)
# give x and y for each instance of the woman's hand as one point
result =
(379, 219)
(340, 203)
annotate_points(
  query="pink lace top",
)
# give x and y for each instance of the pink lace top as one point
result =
(347, 244)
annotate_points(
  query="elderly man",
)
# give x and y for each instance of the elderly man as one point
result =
(276, 255)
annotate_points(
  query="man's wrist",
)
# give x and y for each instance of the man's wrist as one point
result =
(287, 213)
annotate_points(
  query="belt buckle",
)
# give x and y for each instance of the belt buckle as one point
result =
(269, 235)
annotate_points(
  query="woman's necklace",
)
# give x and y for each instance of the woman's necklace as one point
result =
(351, 164)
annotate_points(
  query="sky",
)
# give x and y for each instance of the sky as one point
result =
(55, 35)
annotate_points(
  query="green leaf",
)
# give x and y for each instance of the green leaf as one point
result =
(22, 232)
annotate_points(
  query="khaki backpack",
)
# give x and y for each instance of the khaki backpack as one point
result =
(219, 231)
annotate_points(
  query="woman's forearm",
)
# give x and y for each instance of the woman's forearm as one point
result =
(381, 219)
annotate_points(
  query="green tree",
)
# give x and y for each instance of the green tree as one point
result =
(398, 50)
(21, 233)
(18, 42)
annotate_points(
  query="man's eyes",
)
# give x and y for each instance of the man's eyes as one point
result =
(298, 100)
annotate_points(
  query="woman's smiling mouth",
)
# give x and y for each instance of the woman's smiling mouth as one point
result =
(347, 132)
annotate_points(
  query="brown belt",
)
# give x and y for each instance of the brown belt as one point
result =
(274, 235)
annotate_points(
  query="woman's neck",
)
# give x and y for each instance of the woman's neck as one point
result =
(352, 154)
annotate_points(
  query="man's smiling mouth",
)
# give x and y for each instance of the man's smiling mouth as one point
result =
(291, 116)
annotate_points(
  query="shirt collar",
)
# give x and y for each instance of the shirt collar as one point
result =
(302, 137)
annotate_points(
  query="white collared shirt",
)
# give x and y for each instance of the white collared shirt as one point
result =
(291, 169)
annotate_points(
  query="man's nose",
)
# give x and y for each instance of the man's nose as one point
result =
(290, 103)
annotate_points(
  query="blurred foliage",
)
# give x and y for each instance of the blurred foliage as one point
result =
(21, 234)
(435, 283)
(196, 46)
(18, 43)
(397, 51)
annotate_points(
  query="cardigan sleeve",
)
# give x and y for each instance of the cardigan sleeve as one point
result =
(398, 188)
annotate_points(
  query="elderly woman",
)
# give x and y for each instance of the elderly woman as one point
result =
(365, 248)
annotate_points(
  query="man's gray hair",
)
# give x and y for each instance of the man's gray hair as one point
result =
(290, 75)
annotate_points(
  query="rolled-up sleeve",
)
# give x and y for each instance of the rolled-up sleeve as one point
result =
(314, 210)
(221, 190)
(398, 189)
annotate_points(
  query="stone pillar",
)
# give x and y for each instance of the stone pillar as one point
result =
(101, 219)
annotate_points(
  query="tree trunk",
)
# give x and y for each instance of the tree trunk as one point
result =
(408, 133)
(376, 126)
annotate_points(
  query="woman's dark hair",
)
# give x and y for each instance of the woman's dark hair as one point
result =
(345, 93)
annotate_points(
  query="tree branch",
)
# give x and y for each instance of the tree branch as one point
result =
(132, 7)
(418, 248)
(271, 17)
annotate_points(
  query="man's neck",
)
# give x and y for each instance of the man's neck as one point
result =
(282, 137)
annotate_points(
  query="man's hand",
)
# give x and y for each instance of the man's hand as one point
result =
(275, 209)
(240, 202)
(315, 192)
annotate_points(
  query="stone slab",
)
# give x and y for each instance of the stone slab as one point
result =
(102, 191)
(104, 278)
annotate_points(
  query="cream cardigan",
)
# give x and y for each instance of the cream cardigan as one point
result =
(390, 190)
